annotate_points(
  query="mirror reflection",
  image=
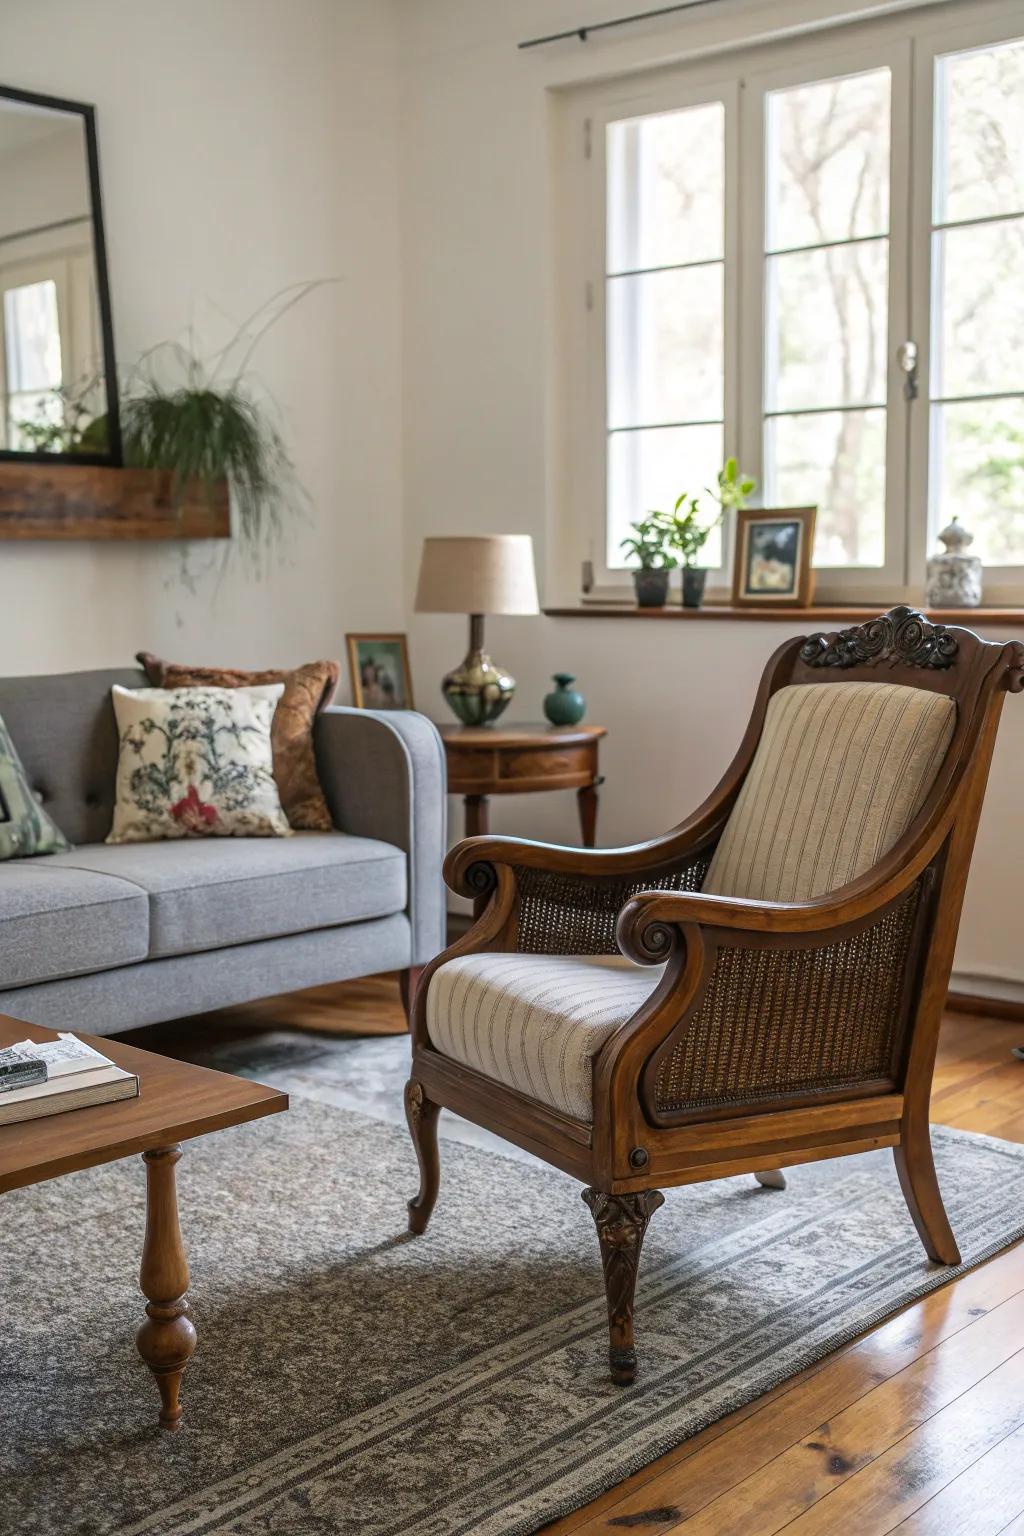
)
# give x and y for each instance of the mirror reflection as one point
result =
(54, 311)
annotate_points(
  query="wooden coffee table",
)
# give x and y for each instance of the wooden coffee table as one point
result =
(177, 1101)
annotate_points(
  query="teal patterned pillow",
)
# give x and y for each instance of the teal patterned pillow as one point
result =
(25, 828)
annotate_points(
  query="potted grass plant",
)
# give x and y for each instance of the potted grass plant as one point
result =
(648, 547)
(205, 422)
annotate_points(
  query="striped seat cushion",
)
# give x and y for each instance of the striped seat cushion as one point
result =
(839, 774)
(535, 1022)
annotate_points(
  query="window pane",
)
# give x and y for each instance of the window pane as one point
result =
(826, 327)
(43, 409)
(979, 294)
(828, 161)
(32, 337)
(666, 179)
(649, 470)
(978, 475)
(979, 138)
(836, 462)
(665, 347)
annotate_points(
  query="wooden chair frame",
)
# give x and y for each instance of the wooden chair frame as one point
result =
(636, 1144)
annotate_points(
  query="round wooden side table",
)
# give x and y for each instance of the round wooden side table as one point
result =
(486, 760)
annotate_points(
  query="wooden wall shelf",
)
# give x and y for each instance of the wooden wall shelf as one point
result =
(95, 501)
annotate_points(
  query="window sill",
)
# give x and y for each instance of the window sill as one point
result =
(814, 617)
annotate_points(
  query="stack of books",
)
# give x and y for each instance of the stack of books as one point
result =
(38, 1079)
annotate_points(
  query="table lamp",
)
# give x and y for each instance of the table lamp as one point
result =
(489, 573)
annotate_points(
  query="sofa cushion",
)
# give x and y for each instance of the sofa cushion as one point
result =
(58, 922)
(840, 772)
(204, 895)
(535, 1022)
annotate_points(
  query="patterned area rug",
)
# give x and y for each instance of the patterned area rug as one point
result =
(351, 1380)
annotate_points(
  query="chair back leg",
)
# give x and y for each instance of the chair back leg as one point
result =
(771, 1178)
(916, 1168)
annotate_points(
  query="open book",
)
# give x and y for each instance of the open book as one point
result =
(76, 1076)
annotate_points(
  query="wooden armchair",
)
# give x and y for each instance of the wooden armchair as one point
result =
(791, 945)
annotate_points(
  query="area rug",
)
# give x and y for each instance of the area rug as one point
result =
(351, 1380)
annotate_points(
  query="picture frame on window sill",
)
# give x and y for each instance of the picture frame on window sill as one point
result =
(773, 568)
(379, 670)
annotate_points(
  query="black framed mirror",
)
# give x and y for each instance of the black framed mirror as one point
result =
(58, 379)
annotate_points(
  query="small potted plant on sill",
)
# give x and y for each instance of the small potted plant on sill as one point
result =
(686, 530)
(647, 545)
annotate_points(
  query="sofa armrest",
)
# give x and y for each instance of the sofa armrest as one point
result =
(383, 773)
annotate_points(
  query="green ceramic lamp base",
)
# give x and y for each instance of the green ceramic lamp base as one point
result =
(477, 691)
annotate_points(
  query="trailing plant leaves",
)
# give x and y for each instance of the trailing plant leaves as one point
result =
(208, 435)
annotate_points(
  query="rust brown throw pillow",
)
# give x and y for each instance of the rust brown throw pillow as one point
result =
(307, 690)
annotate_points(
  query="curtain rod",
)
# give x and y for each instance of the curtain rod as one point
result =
(622, 21)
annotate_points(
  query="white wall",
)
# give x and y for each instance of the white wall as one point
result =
(244, 145)
(478, 261)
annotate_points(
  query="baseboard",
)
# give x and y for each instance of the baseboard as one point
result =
(994, 996)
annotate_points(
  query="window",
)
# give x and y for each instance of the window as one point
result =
(826, 303)
(977, 322)
(665, 308)
(811, 256)
(32, 369)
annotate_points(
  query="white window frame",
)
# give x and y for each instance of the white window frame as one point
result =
(832, 583)
(909, 45)
(588, 427)
(1003, 584)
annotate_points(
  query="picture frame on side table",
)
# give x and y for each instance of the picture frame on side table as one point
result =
(773, 557)
(379, 668)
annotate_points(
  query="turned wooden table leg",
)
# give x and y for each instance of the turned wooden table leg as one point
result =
(477, 817)
(586, 801)
(167, 1338)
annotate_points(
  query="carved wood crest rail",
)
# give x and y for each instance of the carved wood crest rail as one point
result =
(901, 637)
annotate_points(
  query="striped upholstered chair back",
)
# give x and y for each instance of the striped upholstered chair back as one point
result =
(841, 770)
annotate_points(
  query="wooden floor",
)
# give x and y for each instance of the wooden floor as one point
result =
(917, 1427)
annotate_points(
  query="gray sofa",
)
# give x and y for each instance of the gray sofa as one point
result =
(106, 938)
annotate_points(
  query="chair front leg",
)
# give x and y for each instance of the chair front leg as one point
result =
(621, 1222)
(421, 1114)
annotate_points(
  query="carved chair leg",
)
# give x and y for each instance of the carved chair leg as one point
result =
(422, 1113)
(771, 1178)
(621, 1222)
(916, 1168)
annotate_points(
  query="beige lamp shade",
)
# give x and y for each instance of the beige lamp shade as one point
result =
(490, 573)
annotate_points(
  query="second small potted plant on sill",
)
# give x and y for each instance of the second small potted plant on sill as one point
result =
(686, 530)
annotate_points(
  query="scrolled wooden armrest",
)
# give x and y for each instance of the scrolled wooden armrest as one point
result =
(648, 924)
(465, 868)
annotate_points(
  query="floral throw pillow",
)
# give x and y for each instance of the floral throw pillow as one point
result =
(307, 690)
(196, 762)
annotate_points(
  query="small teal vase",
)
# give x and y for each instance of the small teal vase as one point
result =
(564, 705)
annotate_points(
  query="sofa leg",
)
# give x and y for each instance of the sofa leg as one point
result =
(621, 1222)
(408, 981)
(916, 1168)
(422, 1113)
(771, 1178)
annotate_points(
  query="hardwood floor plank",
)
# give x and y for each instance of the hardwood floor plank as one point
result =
(700, 1471)
(838, 1446)
(882, 1494)
(980, 1501)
